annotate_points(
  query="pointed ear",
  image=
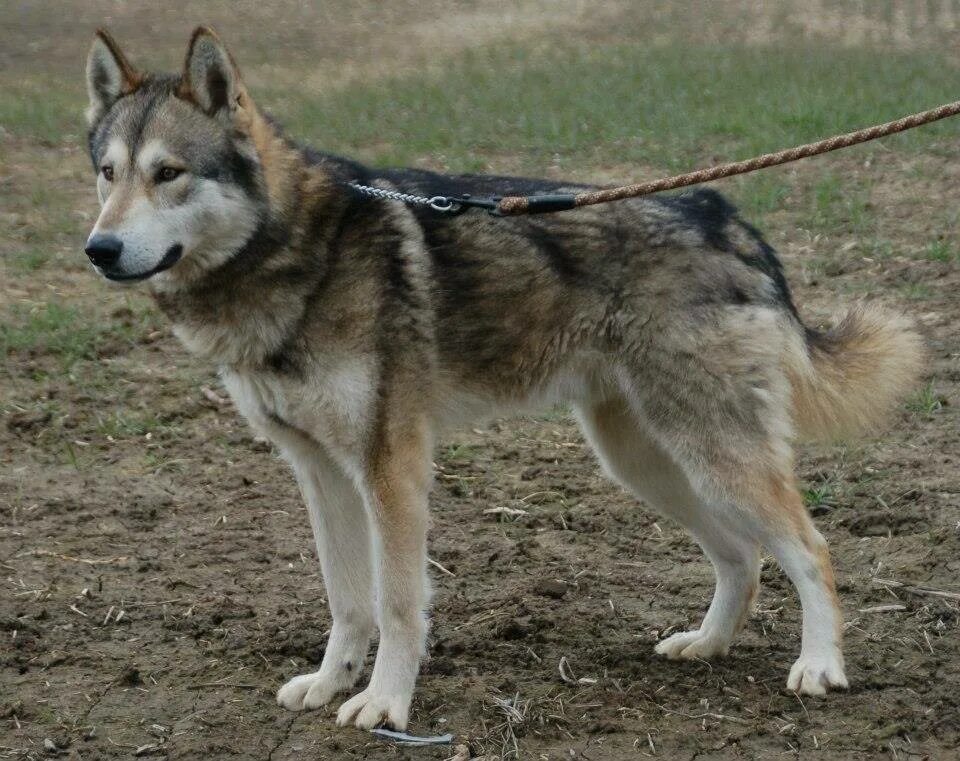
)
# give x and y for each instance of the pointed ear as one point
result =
(210, 77)
(109, 75)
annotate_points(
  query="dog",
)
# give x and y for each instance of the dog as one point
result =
(351, 330)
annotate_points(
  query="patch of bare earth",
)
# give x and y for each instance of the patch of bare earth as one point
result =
(161, 585)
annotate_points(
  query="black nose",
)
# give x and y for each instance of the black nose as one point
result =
(104, 250)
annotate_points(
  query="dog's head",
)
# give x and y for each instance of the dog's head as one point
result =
(178, 174)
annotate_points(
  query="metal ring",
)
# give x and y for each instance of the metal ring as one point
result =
(441, 203)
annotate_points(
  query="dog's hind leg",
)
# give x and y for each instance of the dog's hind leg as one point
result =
(643, 467)
(714, 394)
(801, 551)
(340, 526)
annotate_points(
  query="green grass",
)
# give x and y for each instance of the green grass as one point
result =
(916, 291)
(125, 425)
(30, 257)
(836, 206)
(55, 329)
(941, 251)
(926, 401)
(42, 108)
(558, 413)
(819, 495)
(67, 333)
(761, 194)
(459, 453)
(878, 247)
(577, 105)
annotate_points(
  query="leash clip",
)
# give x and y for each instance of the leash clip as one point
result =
(460, 204)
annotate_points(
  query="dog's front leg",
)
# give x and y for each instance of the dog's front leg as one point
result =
(398, 483)
(340, 526)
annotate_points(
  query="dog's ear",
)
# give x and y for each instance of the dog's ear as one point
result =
(109, 75)
(210, 77)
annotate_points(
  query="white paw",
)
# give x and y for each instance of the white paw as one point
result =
(692, 644)
(815, 674)
(312, 690)
(370, 709)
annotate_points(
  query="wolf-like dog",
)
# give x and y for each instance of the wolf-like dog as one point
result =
(350, 330)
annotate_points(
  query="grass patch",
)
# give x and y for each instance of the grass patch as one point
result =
(70, 335)
(558, 413)
(761, 194)
(916, 291)
(459, 453)
(878, 247)
(926, 401)
(576, 105)
(826, 489)
(55, 329)
(30, 258)
(819, 496)
(941, 251)
(835, 206)
(124, 425)
(41, 108)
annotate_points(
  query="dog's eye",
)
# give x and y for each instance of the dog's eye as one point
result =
(168, 173)
(107, 172)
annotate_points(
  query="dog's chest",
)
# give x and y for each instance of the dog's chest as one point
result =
(333, 405)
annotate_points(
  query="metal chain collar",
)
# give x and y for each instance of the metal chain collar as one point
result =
(437, 203)
(443, 204)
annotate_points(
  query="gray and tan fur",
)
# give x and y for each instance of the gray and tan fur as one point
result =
(350, 331)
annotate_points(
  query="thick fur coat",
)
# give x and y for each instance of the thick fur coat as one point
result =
(351, 330)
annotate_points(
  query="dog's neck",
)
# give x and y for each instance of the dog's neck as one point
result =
(226, 315)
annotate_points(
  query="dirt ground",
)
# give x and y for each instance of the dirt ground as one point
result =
(160, 583)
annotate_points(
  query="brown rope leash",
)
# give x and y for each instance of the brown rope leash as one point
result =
(540, 204)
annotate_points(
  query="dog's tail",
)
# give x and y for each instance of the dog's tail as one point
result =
(854, 372)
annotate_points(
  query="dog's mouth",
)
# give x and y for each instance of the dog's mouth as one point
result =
(169, 259)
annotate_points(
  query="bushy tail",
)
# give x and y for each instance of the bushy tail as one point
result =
(854, 372)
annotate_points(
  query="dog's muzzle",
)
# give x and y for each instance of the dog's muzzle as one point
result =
(109, 255)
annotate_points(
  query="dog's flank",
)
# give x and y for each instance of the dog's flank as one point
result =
(351, 330)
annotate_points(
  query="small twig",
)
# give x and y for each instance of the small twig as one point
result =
(87, 561)
(917, 590)
(439, 567)
(546, 493)
(706, 715)
(402, 738)
(883, 609)
(800, 701)
(932, 593)
(151, 604)
(482, 619)
(504, 511)
(566, 673)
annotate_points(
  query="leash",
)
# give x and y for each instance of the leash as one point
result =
(508, 206)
